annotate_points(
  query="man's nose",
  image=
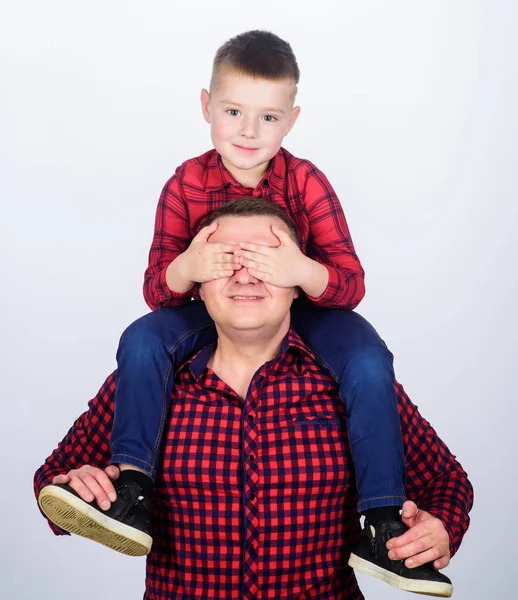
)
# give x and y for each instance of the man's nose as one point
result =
(249, 127)
(244, 277)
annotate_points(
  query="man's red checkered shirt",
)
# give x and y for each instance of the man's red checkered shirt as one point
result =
(256, 498)
(202, 184)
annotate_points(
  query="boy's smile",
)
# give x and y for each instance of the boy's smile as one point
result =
(249, 117)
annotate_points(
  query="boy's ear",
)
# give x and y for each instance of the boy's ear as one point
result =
(205, 104)
(295, 112)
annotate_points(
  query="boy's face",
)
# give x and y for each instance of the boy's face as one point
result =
(248, 119)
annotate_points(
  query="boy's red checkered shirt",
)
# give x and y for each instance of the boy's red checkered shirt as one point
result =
(202, 184)
(256, 498)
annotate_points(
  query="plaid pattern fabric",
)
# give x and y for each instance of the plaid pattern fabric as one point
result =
(256, 498)
(202, 184)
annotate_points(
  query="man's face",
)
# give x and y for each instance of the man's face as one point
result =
(242, 303)
(248, 118)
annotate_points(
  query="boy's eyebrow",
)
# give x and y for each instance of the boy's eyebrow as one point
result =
(276, 110)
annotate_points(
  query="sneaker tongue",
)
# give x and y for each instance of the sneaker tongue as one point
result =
(129, 476)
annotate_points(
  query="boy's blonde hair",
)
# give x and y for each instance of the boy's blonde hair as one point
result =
(259, 54)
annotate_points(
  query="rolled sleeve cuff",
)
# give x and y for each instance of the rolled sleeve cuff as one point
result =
(164, 296)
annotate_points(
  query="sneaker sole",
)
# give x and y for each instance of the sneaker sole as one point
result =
(427, 588)
(76, 516)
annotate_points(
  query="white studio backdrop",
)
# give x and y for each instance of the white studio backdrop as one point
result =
(410, 108)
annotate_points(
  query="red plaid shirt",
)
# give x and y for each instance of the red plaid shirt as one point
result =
(255, 498)
(202, 184)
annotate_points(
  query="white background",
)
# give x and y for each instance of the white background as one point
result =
(410, 108)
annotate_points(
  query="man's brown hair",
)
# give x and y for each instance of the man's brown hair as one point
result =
(257, 54)
(252, 207)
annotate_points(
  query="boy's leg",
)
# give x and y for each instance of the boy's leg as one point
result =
(149, 350)
(148, 353)
(357, 358)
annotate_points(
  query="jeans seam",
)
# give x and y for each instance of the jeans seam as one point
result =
(165, 380)
(362, 503)
(119, 454)
(187, 335)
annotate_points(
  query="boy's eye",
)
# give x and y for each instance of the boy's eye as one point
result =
(233, 112)
(270, 118)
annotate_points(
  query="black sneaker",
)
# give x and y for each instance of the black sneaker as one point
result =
(371, 557)
(124, 527)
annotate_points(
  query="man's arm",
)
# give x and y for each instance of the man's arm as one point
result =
(86, 443)
(435, 481)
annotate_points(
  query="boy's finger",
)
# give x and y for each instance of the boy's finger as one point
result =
(205, 232)
(224, 257)
(283, 236)
(260, 248)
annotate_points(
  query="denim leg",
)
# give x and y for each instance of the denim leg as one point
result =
(148, 351)
(357, 358)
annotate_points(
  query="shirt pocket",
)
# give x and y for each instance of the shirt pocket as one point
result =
(302, 452)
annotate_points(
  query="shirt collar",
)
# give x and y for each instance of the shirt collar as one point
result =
(218, 177)
(198, 362)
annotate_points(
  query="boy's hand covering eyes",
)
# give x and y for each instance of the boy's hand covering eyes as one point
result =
(205, 261)
(283, 266)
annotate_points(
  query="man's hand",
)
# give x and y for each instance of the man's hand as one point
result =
(283, 265)
(426, 540)
(202, 261)
(92, 483)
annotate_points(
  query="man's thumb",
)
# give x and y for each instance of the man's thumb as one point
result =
(409, 513)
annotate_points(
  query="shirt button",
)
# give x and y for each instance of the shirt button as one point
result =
(251, 549)
(251, 458)
(265, 183)
(250, 418)
(251, 496)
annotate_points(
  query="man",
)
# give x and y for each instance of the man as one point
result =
(255, 497)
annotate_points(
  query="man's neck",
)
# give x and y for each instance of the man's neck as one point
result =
(237, 358)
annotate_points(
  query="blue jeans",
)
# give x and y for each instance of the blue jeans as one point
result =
(346, 345)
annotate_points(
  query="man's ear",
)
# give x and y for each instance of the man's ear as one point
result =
(205, 104)
(296, 293)
(201, 292)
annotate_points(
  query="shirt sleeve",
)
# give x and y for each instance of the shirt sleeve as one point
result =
(330, 244)
(86, 443)
(170, 239)
(435, 481)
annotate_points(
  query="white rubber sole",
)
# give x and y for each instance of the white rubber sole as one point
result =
(427, 588)
(76, 516)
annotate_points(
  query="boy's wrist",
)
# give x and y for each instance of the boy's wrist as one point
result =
(315, 277)
(176, 277)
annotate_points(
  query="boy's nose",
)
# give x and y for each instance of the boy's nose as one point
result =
(249, 128)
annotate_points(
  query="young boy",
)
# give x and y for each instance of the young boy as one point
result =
(250, 109)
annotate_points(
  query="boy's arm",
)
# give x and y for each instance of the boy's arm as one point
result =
(435, 481)
(330, 243)
(171, 238)
(87, 442)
